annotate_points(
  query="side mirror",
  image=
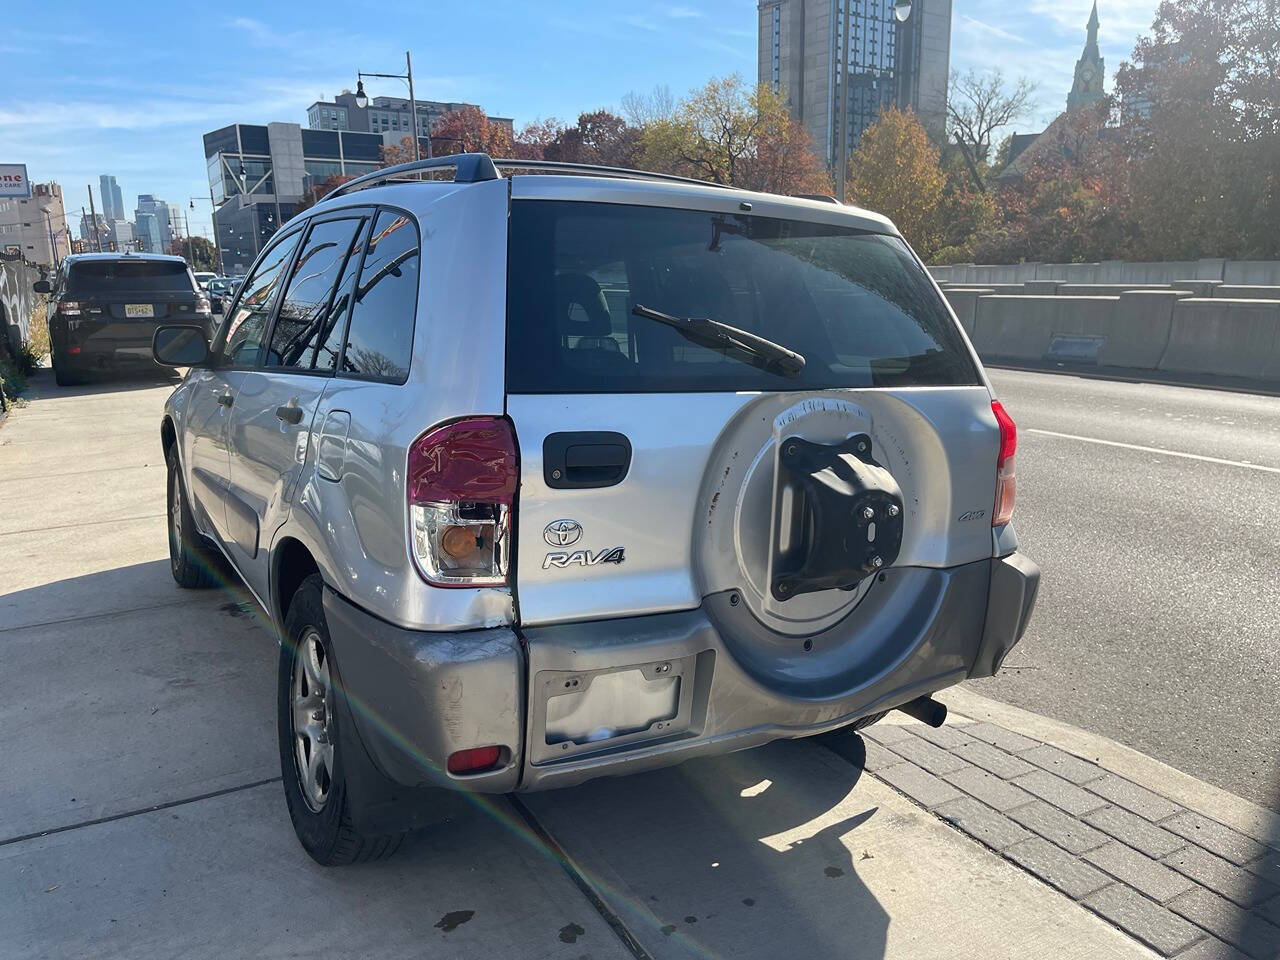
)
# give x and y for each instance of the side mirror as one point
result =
(42, 286)
(180, 345)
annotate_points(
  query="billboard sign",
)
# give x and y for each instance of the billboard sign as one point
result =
(13, 180)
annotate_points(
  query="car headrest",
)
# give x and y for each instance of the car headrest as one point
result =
(581, 308)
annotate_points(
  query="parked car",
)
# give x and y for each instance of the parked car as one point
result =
(218, 289)
(104, 309)
(551, 477)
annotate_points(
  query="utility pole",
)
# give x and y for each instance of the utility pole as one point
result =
(191, 255)
(413, 109)
(96, 236)
(53, 244)
(843, 144)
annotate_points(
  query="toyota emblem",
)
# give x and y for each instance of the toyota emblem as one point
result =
(562, 533)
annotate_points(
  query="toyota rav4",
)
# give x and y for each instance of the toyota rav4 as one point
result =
(555, 475)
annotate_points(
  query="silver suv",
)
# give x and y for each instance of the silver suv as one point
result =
(550, 477)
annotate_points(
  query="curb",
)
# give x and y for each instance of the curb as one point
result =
(1204, 798)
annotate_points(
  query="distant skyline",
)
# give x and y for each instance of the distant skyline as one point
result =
(72, 114)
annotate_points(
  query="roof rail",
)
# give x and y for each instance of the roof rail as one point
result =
(820, 197)
(468, 168)
(598, 170)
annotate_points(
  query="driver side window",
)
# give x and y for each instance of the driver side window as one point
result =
(248, 324)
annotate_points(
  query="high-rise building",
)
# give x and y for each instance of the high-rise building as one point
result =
(899, 54)
(157, 232)
(111, 198)
(35, 226)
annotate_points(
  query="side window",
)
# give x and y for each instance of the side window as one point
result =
(248, 324)
(380, 335)
(304, 316)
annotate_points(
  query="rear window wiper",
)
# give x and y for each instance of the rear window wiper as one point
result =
(773, 357)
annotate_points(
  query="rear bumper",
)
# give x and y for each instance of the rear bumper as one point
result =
(667, 687)
(93, 344)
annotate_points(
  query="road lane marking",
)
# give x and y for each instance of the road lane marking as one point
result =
(1157, 450)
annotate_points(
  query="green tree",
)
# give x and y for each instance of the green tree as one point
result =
(199, 253)
(896, 172)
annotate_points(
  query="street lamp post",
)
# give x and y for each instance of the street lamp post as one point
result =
(362, 99)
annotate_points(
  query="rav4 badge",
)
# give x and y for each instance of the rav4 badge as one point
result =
(582, 558)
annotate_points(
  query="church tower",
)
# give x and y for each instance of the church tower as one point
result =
(1090, 70)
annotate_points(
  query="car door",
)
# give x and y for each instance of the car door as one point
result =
(206, 452)
(244, 337)
(277, 401)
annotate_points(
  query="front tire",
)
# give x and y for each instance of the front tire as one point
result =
(311, 761)
(190, 555)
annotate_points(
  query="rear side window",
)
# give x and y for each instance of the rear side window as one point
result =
(380, 334)
(248, 325)
(305, 318)
(856, 304)
(108, 277)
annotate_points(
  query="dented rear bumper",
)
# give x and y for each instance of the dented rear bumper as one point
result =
(570, 702)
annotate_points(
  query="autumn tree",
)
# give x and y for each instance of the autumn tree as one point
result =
(895, 171)
(532, 140)
(729, 133)
(979, 105)
(469, 130)
(599, 137)
(202, 253)
(1200, 112)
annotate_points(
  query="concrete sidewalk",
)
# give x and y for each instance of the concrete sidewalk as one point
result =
(141, 813)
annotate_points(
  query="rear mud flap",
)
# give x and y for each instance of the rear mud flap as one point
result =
(1014, 582)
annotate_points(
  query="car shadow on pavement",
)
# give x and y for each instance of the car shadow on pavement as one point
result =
(752, 854)
(41, 384)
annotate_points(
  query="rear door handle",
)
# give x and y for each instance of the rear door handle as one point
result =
(585, 459)
(289, 414)
(227, 399)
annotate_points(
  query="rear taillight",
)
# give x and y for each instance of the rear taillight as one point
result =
(1006, 483)
(202, 306)
(461, 487)
(69, 308)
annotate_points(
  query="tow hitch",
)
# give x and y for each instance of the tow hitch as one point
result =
(837, 517)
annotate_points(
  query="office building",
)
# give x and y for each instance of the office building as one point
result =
(121, 234)
(110, 198)
(891, 62)
(157, 231)
(35, 227)
(389, 115)
(258, 174)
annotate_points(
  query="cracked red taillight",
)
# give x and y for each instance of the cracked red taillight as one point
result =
(1006, 483)
(461, 487)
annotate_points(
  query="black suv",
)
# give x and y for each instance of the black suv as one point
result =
(104, 308)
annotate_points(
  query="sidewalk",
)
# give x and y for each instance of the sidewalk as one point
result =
(1187, 869)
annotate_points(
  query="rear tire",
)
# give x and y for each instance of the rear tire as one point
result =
(863, 722)
(64, 377)
(190, 555)
(311, 761)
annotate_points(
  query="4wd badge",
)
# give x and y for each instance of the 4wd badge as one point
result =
(582, 558)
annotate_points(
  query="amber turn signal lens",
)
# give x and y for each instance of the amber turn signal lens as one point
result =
(460, 542)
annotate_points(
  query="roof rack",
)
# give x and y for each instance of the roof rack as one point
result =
(477, 167)
(468, 168)
(599, 170)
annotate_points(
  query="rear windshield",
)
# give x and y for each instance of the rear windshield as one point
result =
(857, 305)
(128, 276)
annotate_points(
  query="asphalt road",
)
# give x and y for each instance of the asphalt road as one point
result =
(1158, 622)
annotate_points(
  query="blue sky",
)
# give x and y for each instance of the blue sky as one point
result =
(129, 88)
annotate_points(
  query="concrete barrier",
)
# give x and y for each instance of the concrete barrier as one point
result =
(1107, 289)
(1232, 291)
(964, 301)
(1229, 338)
(1141, 328)
(1237, 272)
(1198, 288)
(1024, 327)
(1252, 272)
(1042, 287)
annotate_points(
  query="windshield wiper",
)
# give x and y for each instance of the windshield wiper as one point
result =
(771, 356)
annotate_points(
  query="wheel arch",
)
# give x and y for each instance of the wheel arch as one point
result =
(168, 435)
(291, 563)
